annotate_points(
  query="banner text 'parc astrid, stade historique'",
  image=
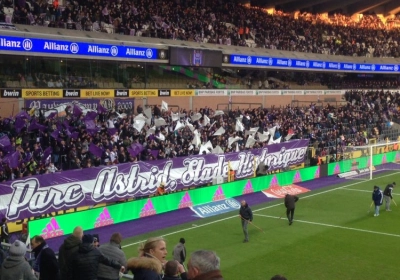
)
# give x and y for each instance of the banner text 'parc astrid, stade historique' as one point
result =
(50, 227)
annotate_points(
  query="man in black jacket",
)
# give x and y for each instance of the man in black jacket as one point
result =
(387, 194)
(46, 265)
(84, 264)
(5, 237)
(68, 248)
(290, 201)
(246, 215)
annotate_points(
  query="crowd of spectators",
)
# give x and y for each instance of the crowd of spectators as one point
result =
(45, 144)
(217, 22)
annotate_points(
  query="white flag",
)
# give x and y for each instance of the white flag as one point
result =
(271, 131)
(206, 120)
(206, 148)
(232, 140)
(239, 126)
(174, 117)
(147, 112)
(188, 124)
(159, 122)
(150, 131)
(140, 117)
(178, 126)
(262, 137)
(272, 141)
(218, 113)
(164, 106)
(251, 131)
(250, 141)
(196, 117)
(237, 147)
(217, 150)
(287, 138)
(196, 139)
(220, 131)
(138, 125)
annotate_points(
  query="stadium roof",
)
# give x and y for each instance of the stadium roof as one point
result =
(348, 7)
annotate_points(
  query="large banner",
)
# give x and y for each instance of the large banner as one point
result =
(90, 104)
(53, 192)
(210, 200)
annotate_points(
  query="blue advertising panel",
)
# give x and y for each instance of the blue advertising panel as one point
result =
(310, 64)
(48, 46)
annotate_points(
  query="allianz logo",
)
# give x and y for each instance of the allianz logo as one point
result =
(227, 204)
(26, 44)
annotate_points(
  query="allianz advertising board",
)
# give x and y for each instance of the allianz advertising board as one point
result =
(216, 207)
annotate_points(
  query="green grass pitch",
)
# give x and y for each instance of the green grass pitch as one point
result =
(332, 237)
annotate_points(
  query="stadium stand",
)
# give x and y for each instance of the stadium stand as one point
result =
(31, 144)
(217, 22)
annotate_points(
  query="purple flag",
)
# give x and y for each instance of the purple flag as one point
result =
(55, 134)
(111, 131)
(47, 155)
(34, 125)
(19, 124)
(12, 159)
(4, 142)
(135, 149)
(23, 115)
(90, 115)
(90, 124)
(77, 111)
(95, 150)
(52, 115)
(154, 153)
(74, 135)
(101, 109)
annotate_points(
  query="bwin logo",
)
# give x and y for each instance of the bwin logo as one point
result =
(27, 44)
(396, 68)
(307, 64)
(149, 53)
(249, 60)
(270, 61)
(289, 62)
(373, 67)
(114, 51)
(74, 48)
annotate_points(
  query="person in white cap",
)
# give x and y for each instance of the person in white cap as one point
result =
(16, 266)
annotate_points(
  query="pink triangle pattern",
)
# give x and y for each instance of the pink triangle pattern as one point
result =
(397, 156)
(337, 169)
(317, 173)
(148, 209)
(354, 165)
(297, 177)
(384, 159)
(274, 182)
(186, 201)
(219, 194)
(52, 229)
(104, 219)
(248, 188)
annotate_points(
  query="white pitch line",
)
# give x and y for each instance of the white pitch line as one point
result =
(334, 226)
(365, 191)
(260, 209)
